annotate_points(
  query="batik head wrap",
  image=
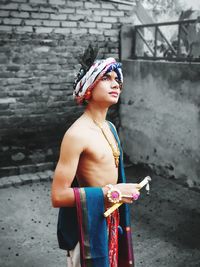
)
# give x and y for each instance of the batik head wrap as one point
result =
(85, 82)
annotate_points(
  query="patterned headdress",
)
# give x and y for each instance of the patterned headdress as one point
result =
(91, 72)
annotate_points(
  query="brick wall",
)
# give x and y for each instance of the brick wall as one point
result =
(39, 44)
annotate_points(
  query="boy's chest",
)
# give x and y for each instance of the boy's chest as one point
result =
(101, 147)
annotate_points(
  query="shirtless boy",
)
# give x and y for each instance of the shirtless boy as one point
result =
(89, 148)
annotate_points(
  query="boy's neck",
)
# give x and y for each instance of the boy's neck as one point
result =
(96, 113)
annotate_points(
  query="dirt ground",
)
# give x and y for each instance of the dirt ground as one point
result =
(166, 226)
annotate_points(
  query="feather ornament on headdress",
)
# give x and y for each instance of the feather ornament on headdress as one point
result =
(88, 57)
(86, 61)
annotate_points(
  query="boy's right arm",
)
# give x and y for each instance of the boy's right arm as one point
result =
(62, 194)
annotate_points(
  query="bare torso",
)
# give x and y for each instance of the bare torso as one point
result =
(96, 165)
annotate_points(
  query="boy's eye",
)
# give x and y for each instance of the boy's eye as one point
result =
(120, 85)
(104, 78)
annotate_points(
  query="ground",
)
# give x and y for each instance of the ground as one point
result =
(166, 225)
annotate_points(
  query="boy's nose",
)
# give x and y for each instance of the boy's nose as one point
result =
(114, 84)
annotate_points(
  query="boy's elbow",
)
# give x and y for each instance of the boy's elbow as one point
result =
(54, 201)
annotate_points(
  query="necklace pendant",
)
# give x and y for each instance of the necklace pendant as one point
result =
(116, 153)
(116, 162)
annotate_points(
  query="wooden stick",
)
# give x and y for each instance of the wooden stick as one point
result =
(144, 182)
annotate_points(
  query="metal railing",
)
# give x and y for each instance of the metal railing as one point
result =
(177, 41)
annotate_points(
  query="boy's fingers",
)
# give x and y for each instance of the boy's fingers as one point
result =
(138, 186)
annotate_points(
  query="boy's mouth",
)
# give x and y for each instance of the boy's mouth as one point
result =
(115, 94)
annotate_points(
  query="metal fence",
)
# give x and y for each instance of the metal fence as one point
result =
(177, 41)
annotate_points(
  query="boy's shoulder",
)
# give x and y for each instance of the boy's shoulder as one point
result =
(77, 131)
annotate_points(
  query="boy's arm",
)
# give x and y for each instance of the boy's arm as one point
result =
(62, 194)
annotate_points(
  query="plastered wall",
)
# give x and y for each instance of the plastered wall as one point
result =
(160, 118)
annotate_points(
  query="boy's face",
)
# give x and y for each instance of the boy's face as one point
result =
(107, 90)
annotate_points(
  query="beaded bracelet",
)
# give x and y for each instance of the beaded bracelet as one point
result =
(114, 195)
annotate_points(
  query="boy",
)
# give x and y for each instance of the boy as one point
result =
(90, 152)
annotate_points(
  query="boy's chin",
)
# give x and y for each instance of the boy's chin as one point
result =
(113, 101)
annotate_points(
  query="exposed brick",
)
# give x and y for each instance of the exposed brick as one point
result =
(41, 167)
(47, 9)
(14, 68)
(3, 58)
(114, 39)
(47, 66)
(16, 14)
(126, 20)
(114, 55)
(38, 2)
(62, 30)
(75, 3)
(41, 81)
(58, 16)
(49, 173)
(25, 177)
(111, 32)
(79, 31)
(76, 17)
(51, 23)
(20, 1)
(14, 81)
(96, 31)
(92, 5)
(109, 19)
(35, 178)
(12, 21)
(34, 22)
(6, 74)
(7, 100)
(3, 107)
(94, 18)
(41, 49)
(26, 7)
(101, 13)
(107, 5)
(104, 25)
(87, 24)
(43, 176)
(68, 10)
(4, 28)
(116, 26)
(22, 74)
(11, 170)
(125, 7)
(39, 15)
(5, 183)
(10, 6)
(69, 24)
(116, 13)
(4, 13)
(57, 2)
(24, 29)
(84, 12)
(15, 180)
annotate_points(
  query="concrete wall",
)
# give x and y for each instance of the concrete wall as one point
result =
(40, 41)
(160, 118)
